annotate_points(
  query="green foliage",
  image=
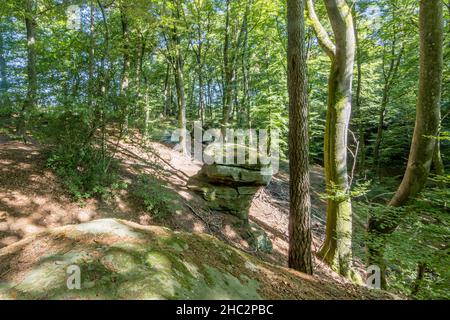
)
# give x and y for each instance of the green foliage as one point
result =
(422, 238)
(85, 168)
(78, 96)
(156, 197)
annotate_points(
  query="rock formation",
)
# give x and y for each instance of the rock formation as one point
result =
(228, 183)
(123, 260)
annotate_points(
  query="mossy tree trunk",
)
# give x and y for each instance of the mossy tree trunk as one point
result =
(300, 201)
(426, 128)
(428, 102)
(337, 248)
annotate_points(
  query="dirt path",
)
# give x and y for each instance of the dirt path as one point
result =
(31, 198)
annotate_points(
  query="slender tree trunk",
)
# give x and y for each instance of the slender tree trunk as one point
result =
(147, 112)
(192, 92)
(421, 270)
(228, 72)
(4, 80)
(140, 63)
(125, 82)
(179, 82)
(244, 107)
(389, 79)
(358, 111)
(380, 129)
(210, 99)
(30, 101)
(199, 58)
(201, 102)
(300, 201)
(426, 127)
(232, 42)
(91, 54)
(437, 159)
(105, 78)
(167, 92)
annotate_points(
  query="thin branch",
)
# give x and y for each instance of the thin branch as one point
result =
(355, 157)
(321, 34)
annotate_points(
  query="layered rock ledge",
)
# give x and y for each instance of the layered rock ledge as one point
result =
(229, 182)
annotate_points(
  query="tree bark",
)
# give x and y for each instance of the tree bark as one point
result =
(126, 63)
(167, 92)
(4, 80)
(426, 128)
(179, 81)
(228, 72)
(91, 53)
(389, 78)
(232, 43)
(428, 112)
(244, 108)
(337, 248)
(30, 101)
(358, 111)
(437, 160)
(300, 201)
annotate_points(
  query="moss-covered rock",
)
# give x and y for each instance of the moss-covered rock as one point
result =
(122, 260)
(229, 174)
(257, 238)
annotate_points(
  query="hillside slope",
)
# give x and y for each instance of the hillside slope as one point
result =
(124, 260)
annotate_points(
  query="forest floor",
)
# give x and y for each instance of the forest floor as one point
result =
(32, 199)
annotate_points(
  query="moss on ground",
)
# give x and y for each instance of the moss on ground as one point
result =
(123, 260)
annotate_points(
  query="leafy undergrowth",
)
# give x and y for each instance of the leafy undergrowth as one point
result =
(156, 197)
(417, 254)
(81, 160)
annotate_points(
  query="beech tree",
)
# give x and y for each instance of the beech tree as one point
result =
(428, 110)
(426, 129)
(337, 248)
(150, 67)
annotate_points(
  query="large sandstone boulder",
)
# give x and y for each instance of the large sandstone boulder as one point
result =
(123, 260)
(235, 175)
(228, 182)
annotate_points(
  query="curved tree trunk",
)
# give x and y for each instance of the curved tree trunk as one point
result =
(426, 127)
(337, 248)
(428, 102)
(300, 201)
